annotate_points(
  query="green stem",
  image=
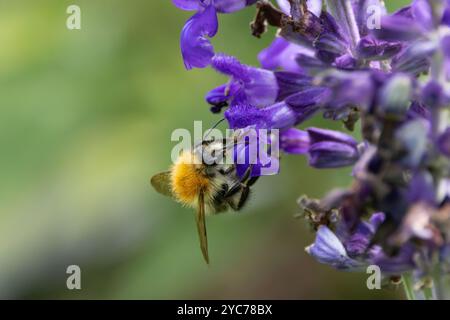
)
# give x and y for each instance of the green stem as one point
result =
(428, 294)
(408, 285)
(441, 282)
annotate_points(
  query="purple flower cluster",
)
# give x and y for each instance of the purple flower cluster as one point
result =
(391, 81)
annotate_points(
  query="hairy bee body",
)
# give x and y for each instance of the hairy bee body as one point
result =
(203, 179)
(222, 188)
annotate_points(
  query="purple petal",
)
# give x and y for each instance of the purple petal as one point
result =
(346, 62)
(445, 46)
(320, 135)
(312, 96)
(414, 59)
(307, 102)
(433, 95)
(277, 116)
(230, 6)
(421, 188)
(254, 150)
(315, 6)
(446, 15)
(422, 12)
(196, 49)
(290, 83)
(259, 86)
(398, 28)
(281, 54)
(284, 6)
(359, 241)
(349, 88)
(403, 261)
(418, 110)
(327, 154)
(330, 47)
(376, 220)
(187, 4)
(373, 49)
(311, 64)
(328, 249)
(230, 66)
(294, 141)
(220, 97)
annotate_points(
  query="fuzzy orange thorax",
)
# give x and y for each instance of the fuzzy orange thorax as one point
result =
(188, 179)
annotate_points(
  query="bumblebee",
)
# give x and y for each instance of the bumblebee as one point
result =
(201, 179)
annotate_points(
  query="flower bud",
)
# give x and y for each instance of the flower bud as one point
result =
(331, 149)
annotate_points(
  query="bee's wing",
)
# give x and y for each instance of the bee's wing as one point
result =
(201, 226)
(161, 183)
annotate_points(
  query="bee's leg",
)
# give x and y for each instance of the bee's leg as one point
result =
(252, 181)
(227, 171)
(247, 174)
(233, 190)
(244, 197)
(232, 205)
(237, 204)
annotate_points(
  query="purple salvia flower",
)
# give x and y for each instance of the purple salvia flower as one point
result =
(331, 149)
(328, 249)
(276, 116)
(254, 86)
(281, 54)
(433, 95)
(294, 141)
(196, 49)
(370, 48)
(351, 250)
(407, 24)
(357, 88)
(329, 61)
(397, 264)
(258, 86)
(253, 153)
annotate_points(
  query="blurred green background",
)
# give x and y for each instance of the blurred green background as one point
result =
(85, 120)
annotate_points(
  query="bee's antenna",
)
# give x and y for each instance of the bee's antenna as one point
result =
(212, 128)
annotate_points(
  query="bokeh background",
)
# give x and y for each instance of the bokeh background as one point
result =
(85, 120)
